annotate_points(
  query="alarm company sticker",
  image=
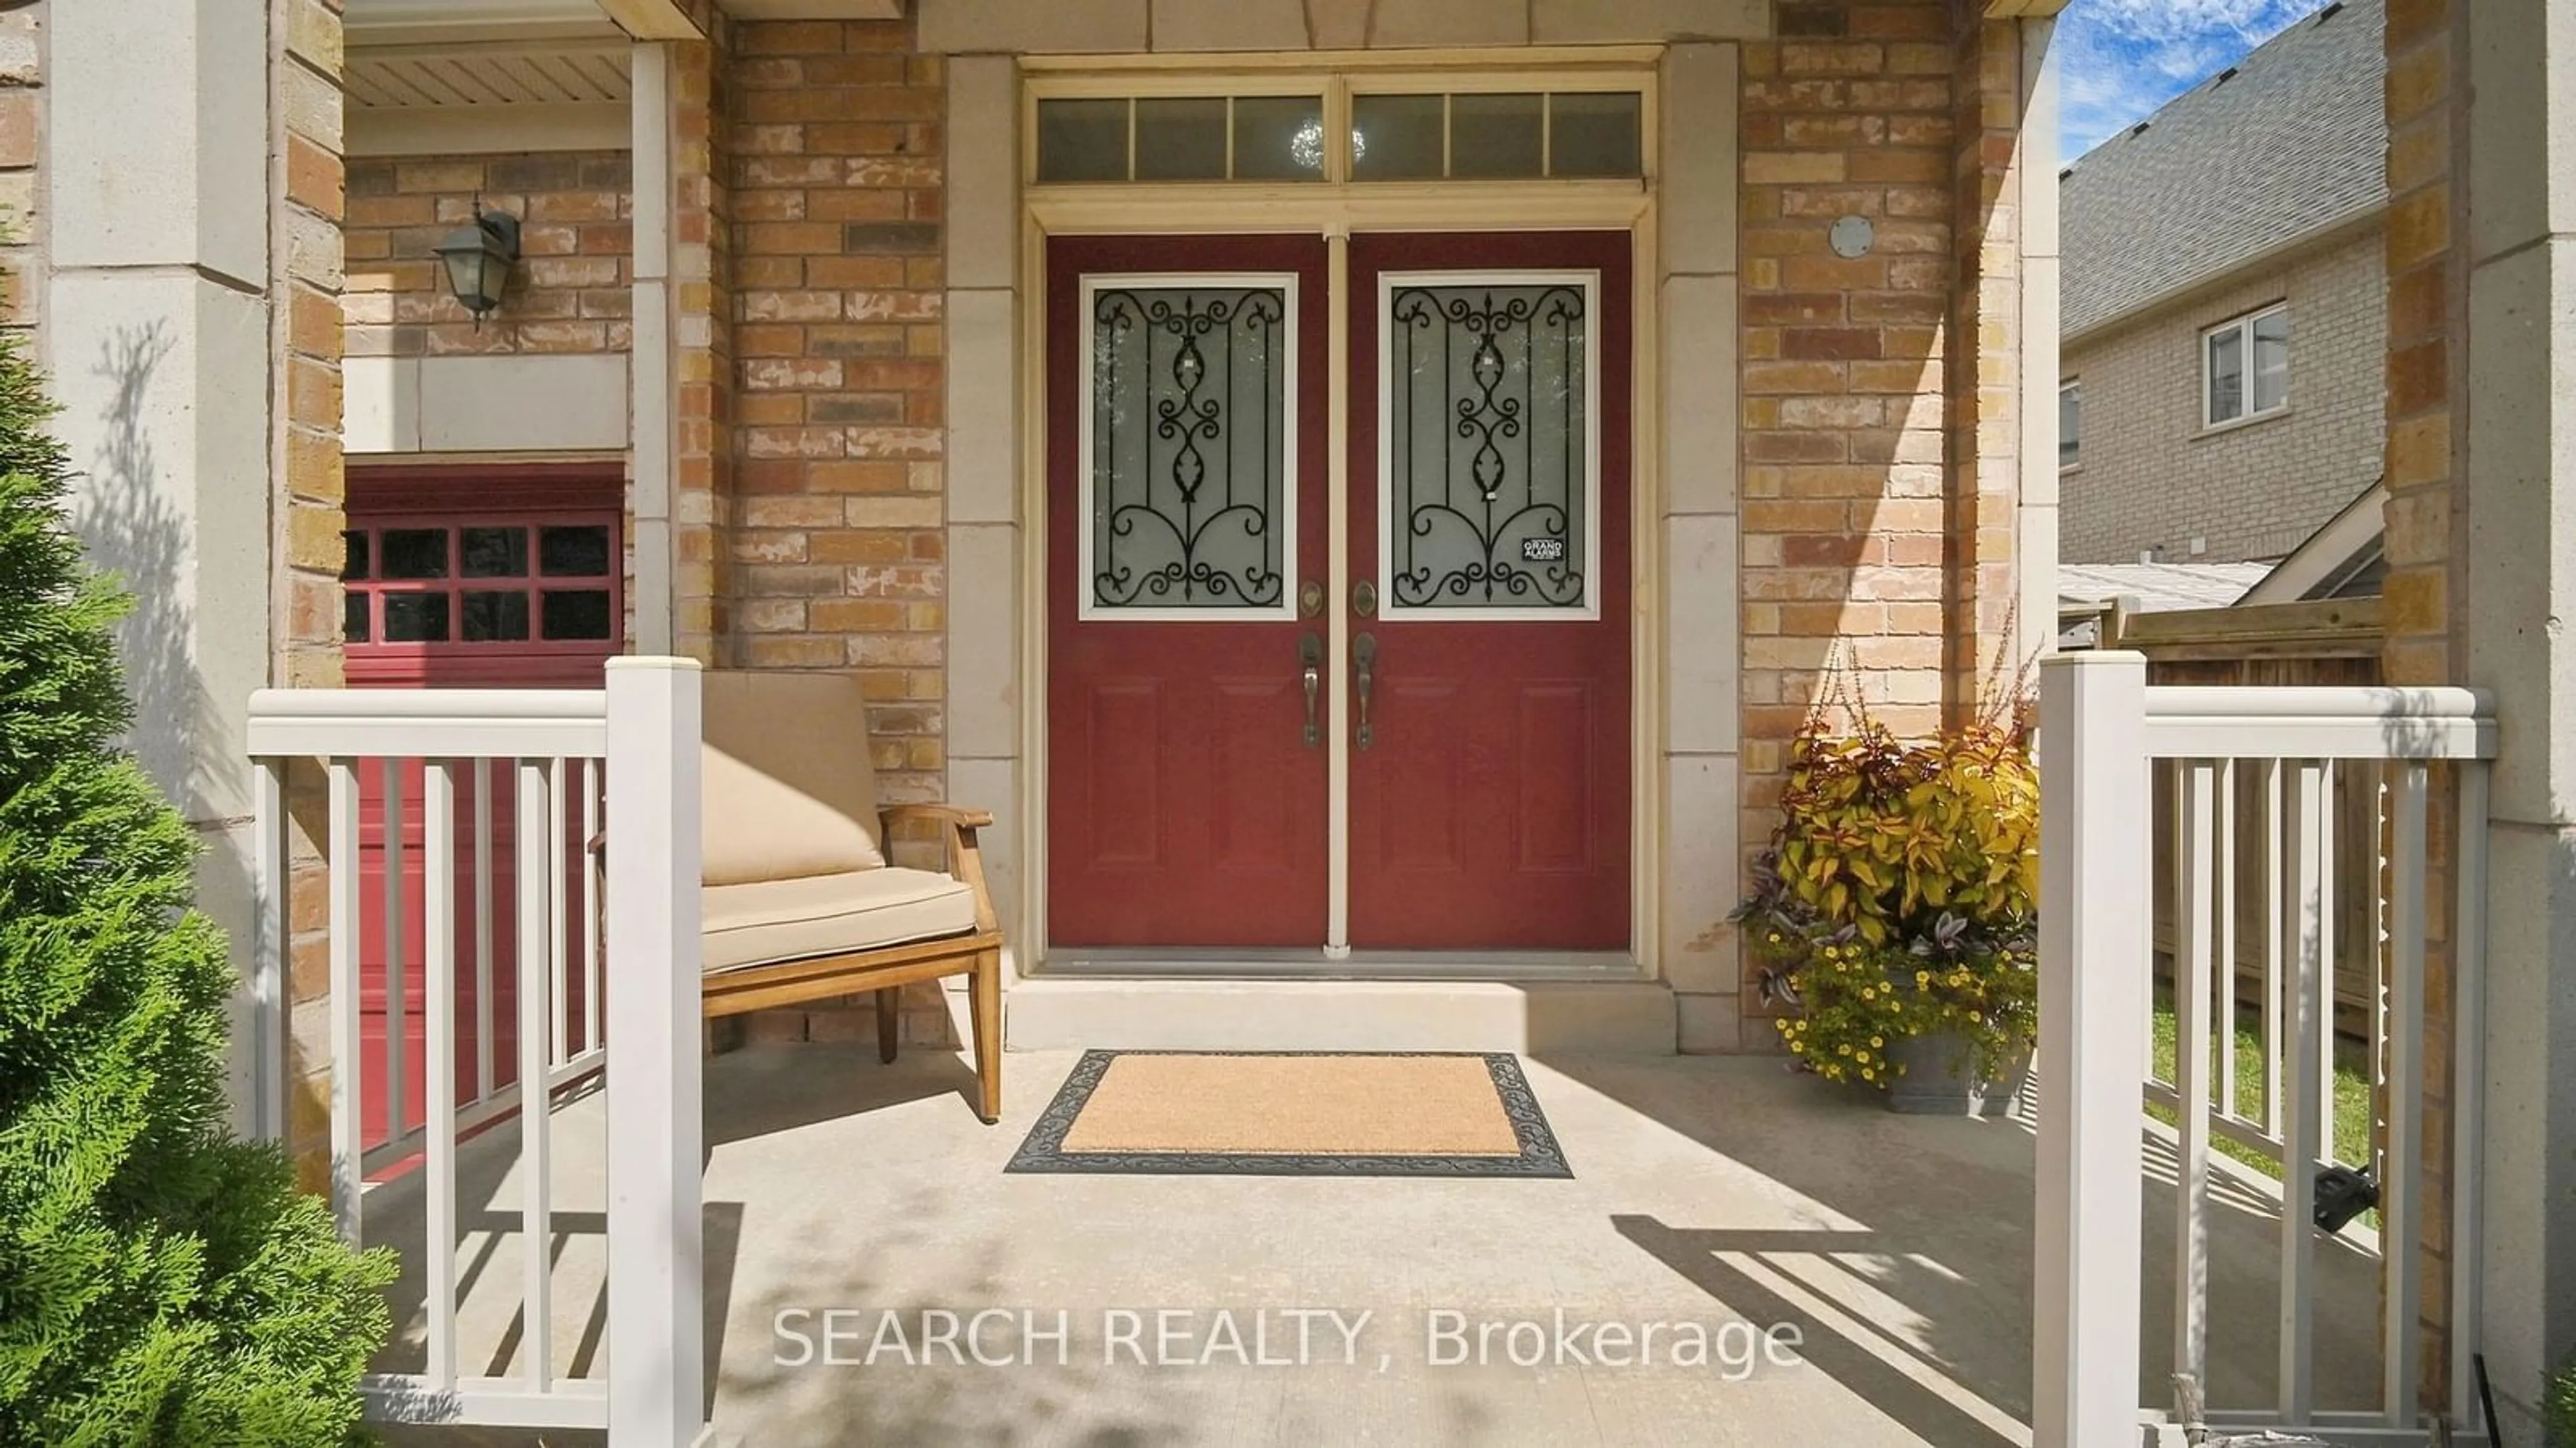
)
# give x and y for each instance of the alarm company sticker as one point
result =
(1542, 550)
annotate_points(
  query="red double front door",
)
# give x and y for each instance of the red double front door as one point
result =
(1462, 679)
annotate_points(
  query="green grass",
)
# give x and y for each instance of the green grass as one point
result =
(2352, 1110)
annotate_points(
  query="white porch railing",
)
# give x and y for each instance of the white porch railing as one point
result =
(552, 748)
(2103, 732)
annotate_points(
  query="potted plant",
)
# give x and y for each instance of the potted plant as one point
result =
(1895, 910)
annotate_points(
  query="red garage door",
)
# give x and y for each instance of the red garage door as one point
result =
(474, 577)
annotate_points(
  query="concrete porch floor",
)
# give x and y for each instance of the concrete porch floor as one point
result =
(1710, 1191)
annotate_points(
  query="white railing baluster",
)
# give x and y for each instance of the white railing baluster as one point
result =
(2398, 1227)
(2328, 943)
(2194, 783)
(2468, 1086)
(536, 1125)
(2303, 1111)
(2276, 922)
(271, 941)
(2093, 986)
(348, 1068)
(558, 915)
(438, 1014)
(590, 922)
(397, 1024)
(2225, 1013)
(485, 1068)
(655, 1126)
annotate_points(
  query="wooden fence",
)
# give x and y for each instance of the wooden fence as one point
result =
(2336, 643)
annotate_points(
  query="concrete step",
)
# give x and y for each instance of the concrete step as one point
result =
(1592, 1017)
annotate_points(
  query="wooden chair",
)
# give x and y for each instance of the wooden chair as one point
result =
(800, 904)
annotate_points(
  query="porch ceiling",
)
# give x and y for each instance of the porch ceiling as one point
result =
(520, 73)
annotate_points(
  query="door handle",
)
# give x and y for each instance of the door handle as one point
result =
(1310, 652)
(1364, 655)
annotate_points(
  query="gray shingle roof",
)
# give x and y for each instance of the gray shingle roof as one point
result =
(2293, 139)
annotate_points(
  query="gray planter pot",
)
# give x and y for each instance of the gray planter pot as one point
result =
(1940, 1079)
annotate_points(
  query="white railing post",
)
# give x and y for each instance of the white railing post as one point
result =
(656, 1387)
(270, 944)
(2092, 1063)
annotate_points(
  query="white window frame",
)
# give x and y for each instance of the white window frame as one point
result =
(2065, 463)
(2242, 328)
(1086, 594)
(1391, 611)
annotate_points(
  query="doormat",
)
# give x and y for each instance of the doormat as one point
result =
(1294, 1113)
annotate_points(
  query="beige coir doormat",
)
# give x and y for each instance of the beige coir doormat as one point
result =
(1249, 1113)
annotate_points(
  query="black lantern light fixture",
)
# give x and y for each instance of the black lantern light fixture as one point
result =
(478, 258)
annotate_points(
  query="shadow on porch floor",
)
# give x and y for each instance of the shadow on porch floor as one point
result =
(1712, 1191)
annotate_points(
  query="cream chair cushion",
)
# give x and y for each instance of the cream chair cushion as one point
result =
(787, 790)
(780, 920)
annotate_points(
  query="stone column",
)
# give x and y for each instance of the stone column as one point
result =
(193, 339)
(1696, 252)
(2520, 401)
(985, 535)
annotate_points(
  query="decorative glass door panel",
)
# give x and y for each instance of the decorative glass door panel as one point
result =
(1488, 462)
(1186, 548)
(1189, 485)
(1489, 778)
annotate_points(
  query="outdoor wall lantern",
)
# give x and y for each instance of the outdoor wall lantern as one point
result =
(478, 259)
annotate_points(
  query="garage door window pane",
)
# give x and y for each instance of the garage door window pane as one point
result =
(494, 552)
(574, 552)
(354, 620)
(415, 552)
(415, 618)
(577, 615)
(495, 617)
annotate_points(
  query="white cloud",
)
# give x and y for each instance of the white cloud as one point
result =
(2121, 59)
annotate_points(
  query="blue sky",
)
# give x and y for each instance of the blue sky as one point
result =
(2120, 59)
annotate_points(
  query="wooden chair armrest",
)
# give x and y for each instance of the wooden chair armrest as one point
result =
(957, 815)
(965, 856)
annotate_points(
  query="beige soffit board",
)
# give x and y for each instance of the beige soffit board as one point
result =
(398, 22)
(814, 9)
(524, 95)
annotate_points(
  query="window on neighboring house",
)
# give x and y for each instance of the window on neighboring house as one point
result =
(2070, 423)
(2245, 367)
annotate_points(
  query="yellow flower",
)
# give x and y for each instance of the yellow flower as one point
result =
(1878, 1040)
(1869, 992)
(1922, 977)
(1866, 1075)
(1843, 1050)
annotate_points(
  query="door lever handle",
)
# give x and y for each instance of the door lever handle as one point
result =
(1310, 652)
(1364, 655)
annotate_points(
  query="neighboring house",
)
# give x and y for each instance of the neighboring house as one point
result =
(2224, 335)
(2085, 591)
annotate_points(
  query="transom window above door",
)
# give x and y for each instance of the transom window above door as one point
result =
(1363, 128)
